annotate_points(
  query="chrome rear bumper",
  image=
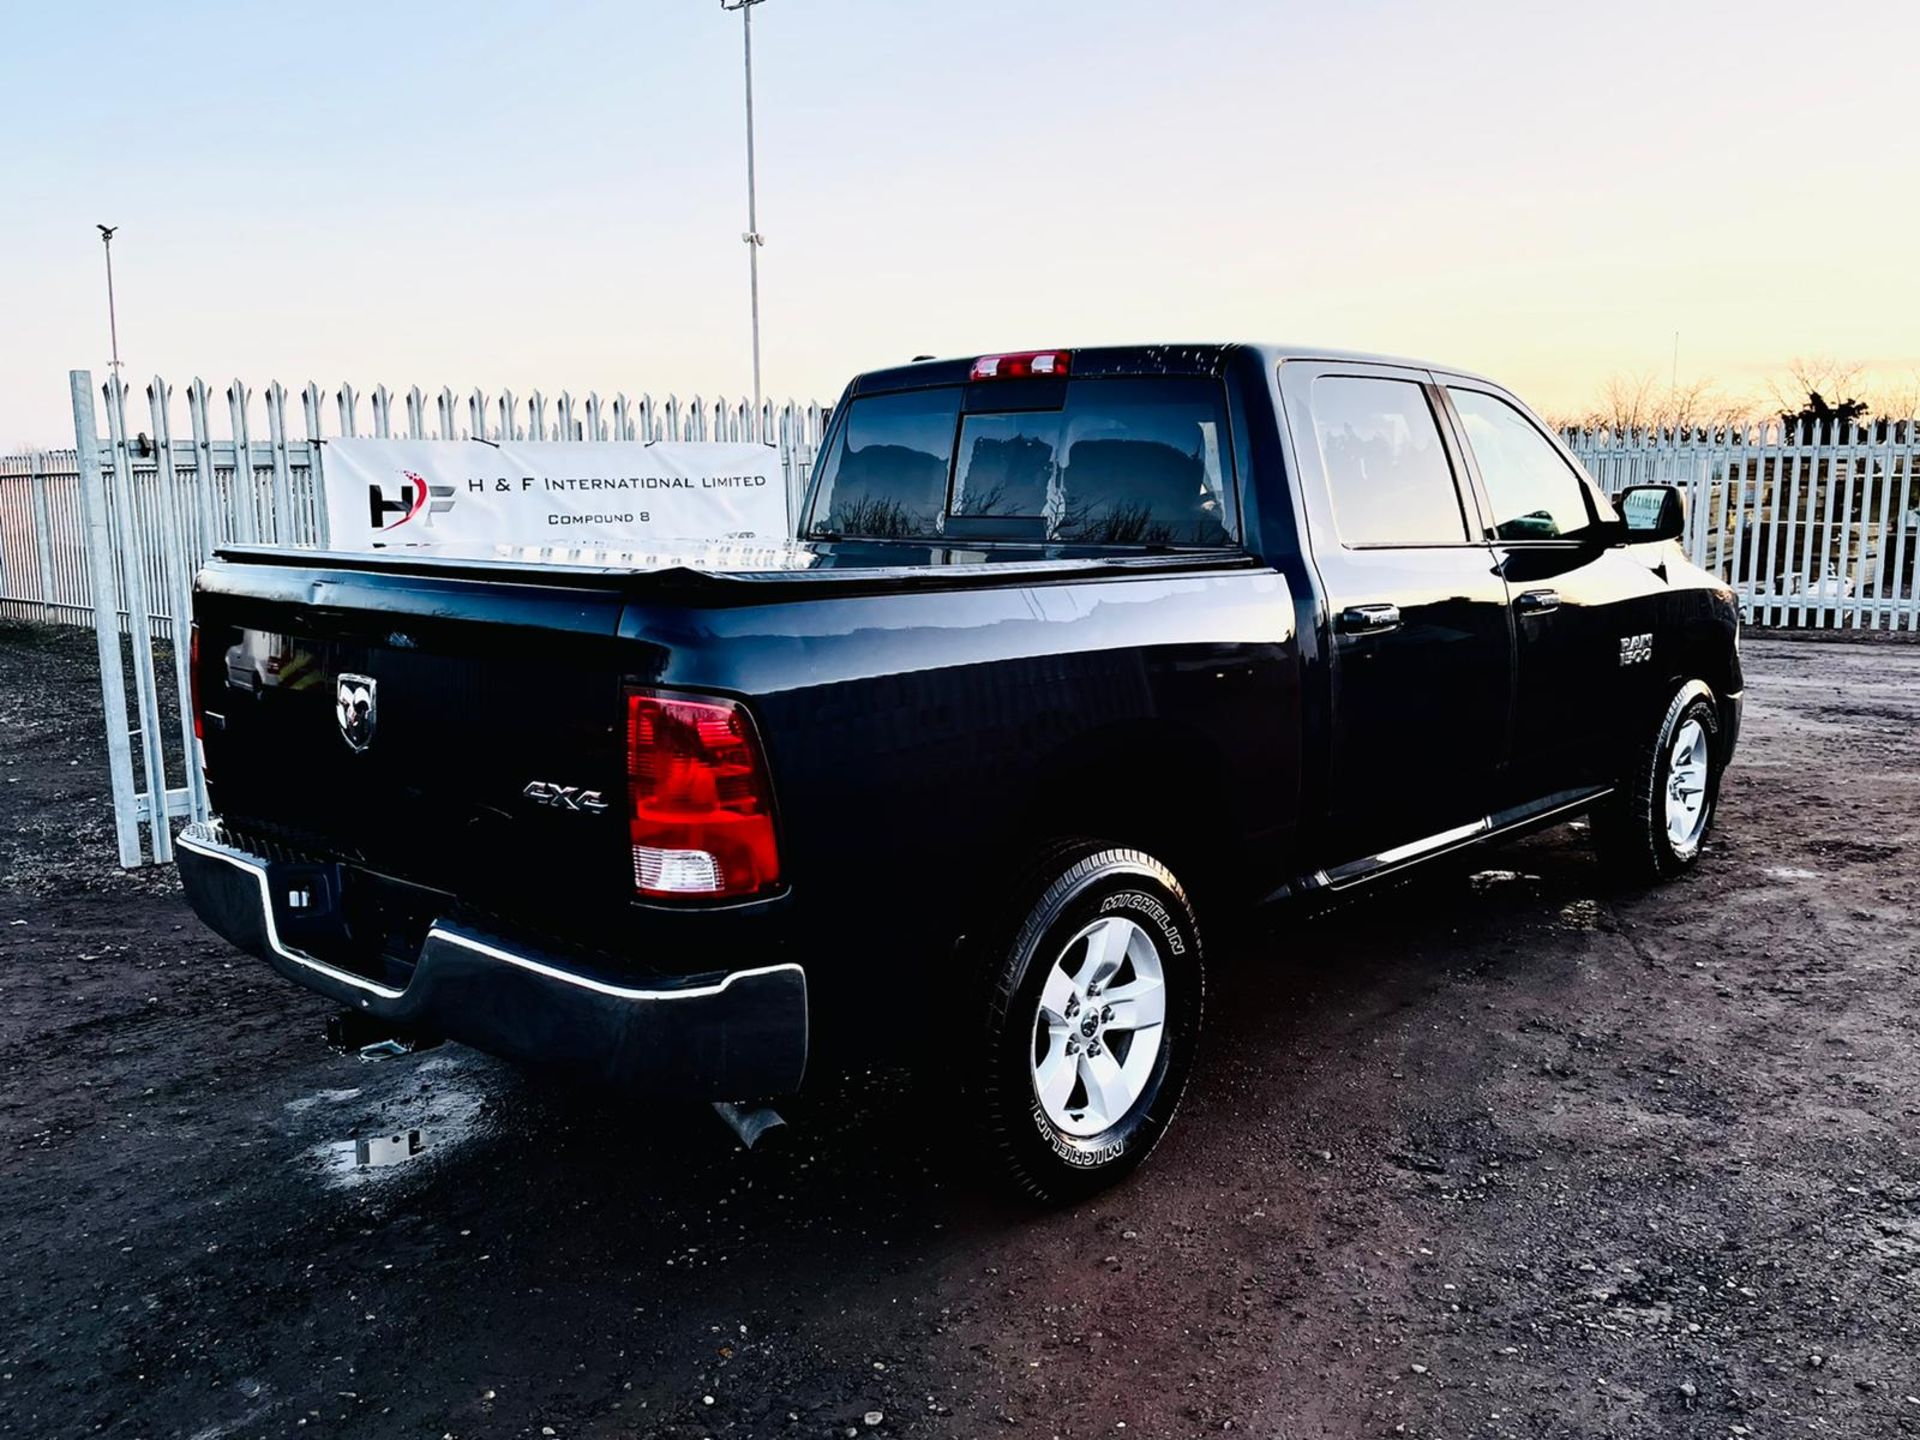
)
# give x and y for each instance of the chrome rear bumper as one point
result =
(734, 1035)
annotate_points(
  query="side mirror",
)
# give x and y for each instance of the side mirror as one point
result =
(1650, 513)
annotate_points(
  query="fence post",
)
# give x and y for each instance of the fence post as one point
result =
(132, 556)
(310, 403)
(246, 516)
(1808, 438)
(106, 616)
(285, 532)
(1910, 467)
(43, 534)
(1884, 536)
(176, 572)
(205, 494)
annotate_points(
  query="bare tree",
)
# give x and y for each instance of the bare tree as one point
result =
(1898, 398)
(1627, 402)
(1701, 406)
(1810, 389)
(1640, 402)
(1809, 375)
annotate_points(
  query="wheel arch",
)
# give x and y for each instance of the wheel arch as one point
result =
(1147, 784)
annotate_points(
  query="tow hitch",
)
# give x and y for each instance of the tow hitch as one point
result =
(352, 1033)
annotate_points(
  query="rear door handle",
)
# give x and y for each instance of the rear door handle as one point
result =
(1537, 602)
(1369, 619)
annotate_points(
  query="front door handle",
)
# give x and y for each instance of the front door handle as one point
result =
(1537, 602)
(1369, 619)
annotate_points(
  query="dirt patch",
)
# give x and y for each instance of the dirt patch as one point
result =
(1514, 1155)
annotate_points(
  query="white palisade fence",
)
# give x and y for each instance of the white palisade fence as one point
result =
(111, 532)
(1813, 526)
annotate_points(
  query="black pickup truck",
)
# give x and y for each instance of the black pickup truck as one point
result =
(1077, 651)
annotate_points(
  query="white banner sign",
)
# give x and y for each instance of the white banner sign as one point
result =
(383, 493)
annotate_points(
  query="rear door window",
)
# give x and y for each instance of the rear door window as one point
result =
(1387, 469)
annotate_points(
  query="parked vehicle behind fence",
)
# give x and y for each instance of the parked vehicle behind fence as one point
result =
(1079, 654)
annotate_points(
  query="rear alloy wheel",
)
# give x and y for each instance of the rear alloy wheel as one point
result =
(1097, 1027)
(1093, 1010)
(1654, 826)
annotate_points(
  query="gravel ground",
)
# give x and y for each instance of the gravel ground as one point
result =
(1504, 1153)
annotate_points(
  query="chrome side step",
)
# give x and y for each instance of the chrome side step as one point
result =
(1488, 827)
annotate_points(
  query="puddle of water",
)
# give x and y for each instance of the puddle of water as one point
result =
(439, 1124)
(1789, 872)
(389, 1149)
(1487, 879)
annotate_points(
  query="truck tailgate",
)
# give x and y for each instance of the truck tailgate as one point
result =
(398, 720)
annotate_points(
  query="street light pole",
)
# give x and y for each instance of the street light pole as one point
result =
(753, 238)
(113, 323)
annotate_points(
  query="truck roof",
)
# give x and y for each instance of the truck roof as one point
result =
(1177, 358)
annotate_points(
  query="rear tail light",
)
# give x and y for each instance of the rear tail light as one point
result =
(193, 680)
(700, 807)
(1028, 364)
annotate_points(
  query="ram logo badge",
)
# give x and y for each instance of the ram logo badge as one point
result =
(353, 709)
(1636, 649)
(565, 797)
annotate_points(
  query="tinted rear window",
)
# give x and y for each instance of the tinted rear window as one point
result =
(1122, 461)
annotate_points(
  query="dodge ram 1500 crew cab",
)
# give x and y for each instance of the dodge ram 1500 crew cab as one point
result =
(1075, 653)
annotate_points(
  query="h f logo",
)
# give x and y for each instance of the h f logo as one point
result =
(415, 495)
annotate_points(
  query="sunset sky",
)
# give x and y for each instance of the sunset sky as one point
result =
(552, 196)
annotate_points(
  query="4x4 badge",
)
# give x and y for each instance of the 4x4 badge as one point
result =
(564, 797)
(353, 709)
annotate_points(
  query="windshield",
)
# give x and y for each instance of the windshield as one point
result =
(1114, 461)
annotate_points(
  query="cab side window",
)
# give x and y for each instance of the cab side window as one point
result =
(1386, 465)
(1535, 495)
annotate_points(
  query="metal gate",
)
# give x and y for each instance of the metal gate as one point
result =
(115, 529)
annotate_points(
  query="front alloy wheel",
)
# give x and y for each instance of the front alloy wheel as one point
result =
(1688, 771)
(1655, 825)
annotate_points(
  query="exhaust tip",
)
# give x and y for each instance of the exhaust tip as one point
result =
(753, 1125)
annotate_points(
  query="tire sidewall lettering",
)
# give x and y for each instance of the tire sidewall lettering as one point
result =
(1141, 903)
(1090, 1157)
